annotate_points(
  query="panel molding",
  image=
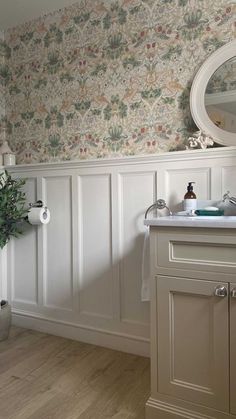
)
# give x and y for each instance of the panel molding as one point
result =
(26, 257)
(95, 244)
(128, 247)
(151, 173)
(68, 217)
(200, 175)
(3, 273)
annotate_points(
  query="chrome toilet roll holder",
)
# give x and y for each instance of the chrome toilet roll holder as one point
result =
(37, 204)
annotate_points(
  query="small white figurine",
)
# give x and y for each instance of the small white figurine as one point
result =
(199, 140)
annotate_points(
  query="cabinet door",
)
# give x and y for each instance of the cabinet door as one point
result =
(193, 348)
(233, 349)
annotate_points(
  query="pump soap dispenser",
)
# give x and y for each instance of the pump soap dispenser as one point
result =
(190, 199)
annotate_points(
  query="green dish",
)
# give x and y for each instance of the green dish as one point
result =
(202, 212)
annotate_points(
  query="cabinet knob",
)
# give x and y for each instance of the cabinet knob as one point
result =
(221, 291)
(233, 293)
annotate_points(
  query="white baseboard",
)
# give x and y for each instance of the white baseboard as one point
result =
(107, 339)
(159, 410)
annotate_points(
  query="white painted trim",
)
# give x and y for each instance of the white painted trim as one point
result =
(3, 267)
(174, 156)
(3, 273)
(165, 408)
(156, 409)
(119, 341)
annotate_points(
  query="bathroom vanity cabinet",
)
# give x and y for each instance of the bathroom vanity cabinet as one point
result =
(193, 320)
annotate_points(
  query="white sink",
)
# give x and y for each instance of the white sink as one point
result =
(195, 221)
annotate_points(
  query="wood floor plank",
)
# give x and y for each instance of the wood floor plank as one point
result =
(43, 376)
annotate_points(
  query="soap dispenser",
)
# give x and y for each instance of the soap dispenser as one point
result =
(190, 199)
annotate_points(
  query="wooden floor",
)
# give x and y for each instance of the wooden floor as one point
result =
(48, 377)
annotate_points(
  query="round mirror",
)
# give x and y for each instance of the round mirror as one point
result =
(213, 95)
(220, 96)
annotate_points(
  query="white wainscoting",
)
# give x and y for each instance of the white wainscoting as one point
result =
(80, 276)
(3, 273)
(3, 268)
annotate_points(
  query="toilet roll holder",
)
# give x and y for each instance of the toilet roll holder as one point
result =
(37, 204)
(42, 213)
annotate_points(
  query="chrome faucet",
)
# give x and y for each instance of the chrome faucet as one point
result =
(232, 200)
(227, 197)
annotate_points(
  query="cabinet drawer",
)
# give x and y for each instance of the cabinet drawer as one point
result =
(187, 250)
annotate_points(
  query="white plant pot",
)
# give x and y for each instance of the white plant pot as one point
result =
(5, 320)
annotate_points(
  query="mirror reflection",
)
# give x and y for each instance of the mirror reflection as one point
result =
(220, 96)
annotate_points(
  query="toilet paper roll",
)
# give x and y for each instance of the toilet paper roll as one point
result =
(37, 216)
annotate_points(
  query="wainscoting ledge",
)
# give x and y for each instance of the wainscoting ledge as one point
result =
(174, 156)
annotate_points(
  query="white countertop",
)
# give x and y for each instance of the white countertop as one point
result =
(196, 221)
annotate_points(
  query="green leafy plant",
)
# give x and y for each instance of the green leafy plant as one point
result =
(12, 207)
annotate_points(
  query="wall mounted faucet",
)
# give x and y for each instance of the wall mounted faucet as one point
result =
(227, 197)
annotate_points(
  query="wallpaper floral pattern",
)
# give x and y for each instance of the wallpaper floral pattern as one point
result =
(106, 78)
(2, 90)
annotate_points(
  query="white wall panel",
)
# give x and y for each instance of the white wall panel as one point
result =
(229, 180)
(58, 280)
(3, 267)
(80, 276)
(137, 192)
(95, 244)
(177, 179)
(229, 185)
(3, 273)
(24, 269)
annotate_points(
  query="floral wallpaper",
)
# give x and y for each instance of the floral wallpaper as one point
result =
(106, 78)
(2, 90)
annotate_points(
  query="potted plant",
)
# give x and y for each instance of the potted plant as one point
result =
(12, 207)
(5, 319)
(12, 215)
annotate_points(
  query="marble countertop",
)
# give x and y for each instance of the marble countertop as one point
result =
(196, 221)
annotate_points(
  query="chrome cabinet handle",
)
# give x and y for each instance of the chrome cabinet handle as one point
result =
(221, 291)
(233, 293)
